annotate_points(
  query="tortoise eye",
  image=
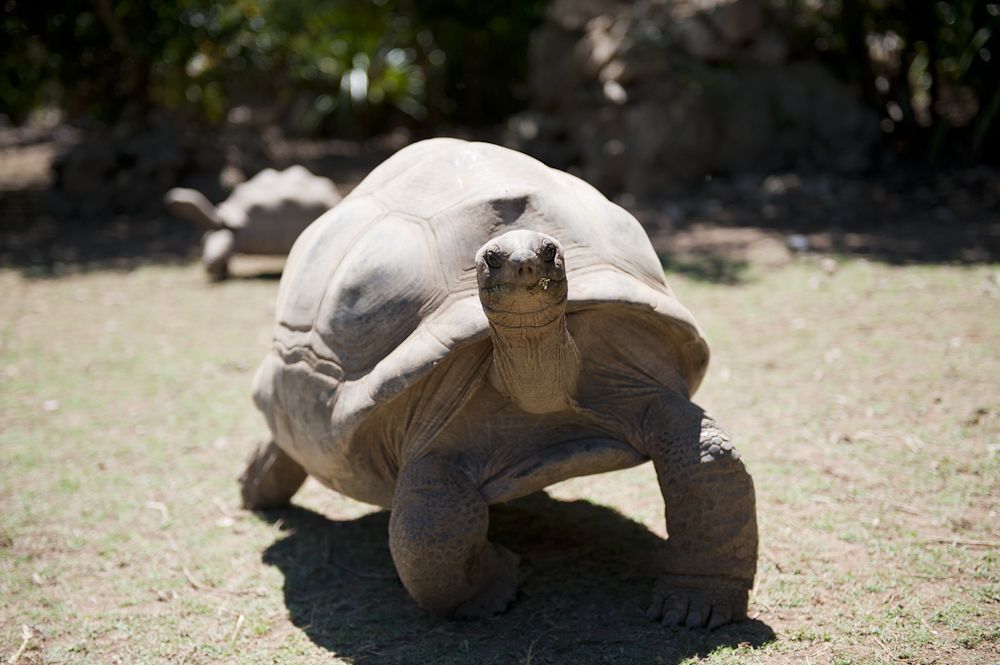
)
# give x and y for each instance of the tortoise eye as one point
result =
(549, 253)
(493, 259)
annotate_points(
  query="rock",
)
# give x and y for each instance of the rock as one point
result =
(123, 169)
(798, 242)
(770, 48)
(737, 21)
(573, 15)
(669, 141)
(652, 96)
(699, 41)
(553, 84)
(600, 43)
(539, 135)
(745, 123)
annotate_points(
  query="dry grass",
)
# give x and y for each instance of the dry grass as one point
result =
(865, 402)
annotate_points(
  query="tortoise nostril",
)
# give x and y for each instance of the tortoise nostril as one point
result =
(525, 271)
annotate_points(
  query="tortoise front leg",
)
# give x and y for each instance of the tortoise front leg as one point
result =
(218, 248)
(437, 536)
(711, 551)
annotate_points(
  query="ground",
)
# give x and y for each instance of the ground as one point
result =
(861, 391)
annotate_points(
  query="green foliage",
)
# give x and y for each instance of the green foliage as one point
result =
(930, 67)
(342, 65)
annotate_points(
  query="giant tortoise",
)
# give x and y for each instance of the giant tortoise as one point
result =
(263, 215)
(469, 326)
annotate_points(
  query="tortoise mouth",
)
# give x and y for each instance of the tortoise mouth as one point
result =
(544, 286)
(532, 305)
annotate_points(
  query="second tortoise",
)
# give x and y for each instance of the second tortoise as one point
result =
(263, 215)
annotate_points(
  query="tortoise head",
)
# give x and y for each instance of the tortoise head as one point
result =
(190, 204)
(522, 279)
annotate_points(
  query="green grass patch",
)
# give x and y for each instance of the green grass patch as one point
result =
(864, 403)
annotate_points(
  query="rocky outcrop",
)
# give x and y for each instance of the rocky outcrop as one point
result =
(644, 96)
(128, 167)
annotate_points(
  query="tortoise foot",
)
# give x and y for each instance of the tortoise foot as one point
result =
(270, 479)
(698, 602)
(498, 593)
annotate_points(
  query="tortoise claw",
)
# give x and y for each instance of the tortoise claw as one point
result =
(697, 603)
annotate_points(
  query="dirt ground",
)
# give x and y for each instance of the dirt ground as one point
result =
(855, 365)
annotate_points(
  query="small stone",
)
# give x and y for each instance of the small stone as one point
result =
(797, 242)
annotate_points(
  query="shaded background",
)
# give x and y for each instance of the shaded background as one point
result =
(875, 120)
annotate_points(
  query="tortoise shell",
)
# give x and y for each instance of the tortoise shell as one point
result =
(382, 289)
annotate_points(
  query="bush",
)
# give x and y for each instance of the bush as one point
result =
(323, 65)
(928, 67)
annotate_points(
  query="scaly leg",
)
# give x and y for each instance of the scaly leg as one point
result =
(711, 551)
(218, 248)
(437, 536)
(270, 478)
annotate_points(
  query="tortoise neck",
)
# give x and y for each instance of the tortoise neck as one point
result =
(535, 366)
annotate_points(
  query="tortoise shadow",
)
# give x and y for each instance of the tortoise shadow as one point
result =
(587, 572)
(711, 267)
(258, 276)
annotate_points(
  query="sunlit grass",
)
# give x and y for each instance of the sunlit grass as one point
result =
(864, 402)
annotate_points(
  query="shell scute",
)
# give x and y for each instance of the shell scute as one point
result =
(316, 256)
(383, 288)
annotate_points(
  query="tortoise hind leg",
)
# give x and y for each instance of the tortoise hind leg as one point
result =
(270, 478)
(437, 536)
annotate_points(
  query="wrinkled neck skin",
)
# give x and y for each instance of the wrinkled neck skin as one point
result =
(535, 360)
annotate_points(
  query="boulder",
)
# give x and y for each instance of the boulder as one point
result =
(644, 97)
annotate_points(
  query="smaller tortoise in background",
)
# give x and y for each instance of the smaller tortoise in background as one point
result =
(263, 215)
(470, 326)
